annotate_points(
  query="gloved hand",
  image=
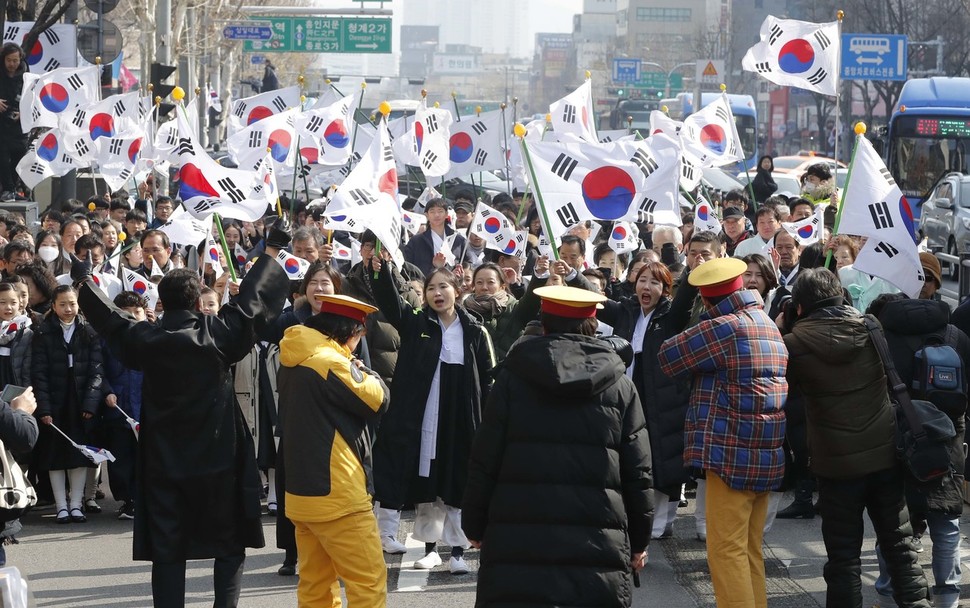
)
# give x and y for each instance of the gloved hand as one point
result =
(277, 238)
(81, 270)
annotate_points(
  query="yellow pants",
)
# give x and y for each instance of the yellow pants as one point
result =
(348, 548)
(735, 527)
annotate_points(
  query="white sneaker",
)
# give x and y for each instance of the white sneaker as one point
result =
(429, 561)
(458, 565)
(392, 545)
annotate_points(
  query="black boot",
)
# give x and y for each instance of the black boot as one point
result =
(289, 564)
(802, 507)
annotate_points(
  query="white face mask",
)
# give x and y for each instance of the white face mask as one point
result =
(48, 253)
(809, 187)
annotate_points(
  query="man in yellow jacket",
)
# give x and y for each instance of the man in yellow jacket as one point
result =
(328, 404)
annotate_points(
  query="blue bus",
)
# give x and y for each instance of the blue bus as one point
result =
(928, 135)
(745, 117)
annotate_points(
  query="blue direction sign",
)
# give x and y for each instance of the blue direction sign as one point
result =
(874, 56)
(626, 70)
(247, 32)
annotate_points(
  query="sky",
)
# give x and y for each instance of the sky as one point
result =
(553, 15)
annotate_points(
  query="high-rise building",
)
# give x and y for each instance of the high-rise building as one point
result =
(666, 32)
(495, 26)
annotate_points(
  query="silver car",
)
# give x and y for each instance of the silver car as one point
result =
(945, 217)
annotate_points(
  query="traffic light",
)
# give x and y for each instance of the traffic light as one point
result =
(158, 73)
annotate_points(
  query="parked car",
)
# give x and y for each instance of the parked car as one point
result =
(945, 218)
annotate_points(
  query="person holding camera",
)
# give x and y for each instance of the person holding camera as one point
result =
(13, 141)
(851, 439)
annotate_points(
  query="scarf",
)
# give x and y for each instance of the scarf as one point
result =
(488, 306)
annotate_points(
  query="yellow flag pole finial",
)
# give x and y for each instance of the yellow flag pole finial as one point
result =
(424, 93)
(548, 118)
(198, 91)
(437, 105)
(158, 100)
(860, 128)
(723, 87)
(519, 129)
(515, 100)
(840, 14)
(478, 110)
(629, 121)
(327, 81)
(384, 108)
(97, 60)
(300, 80)
(178, 93)
(302, 99)
(363, 85)
(454, 95)
(665, 109)
(588, 74)
(503, 105)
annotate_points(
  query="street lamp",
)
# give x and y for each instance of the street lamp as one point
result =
(669, 73)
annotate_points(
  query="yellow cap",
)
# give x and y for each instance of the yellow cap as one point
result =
(718, 277)
(569, 302)
(345, 306)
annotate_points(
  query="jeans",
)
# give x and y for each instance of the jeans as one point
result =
(945, 534)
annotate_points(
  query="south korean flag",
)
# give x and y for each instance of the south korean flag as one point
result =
(475, 144)
(809, 230)
(710, 136)
(874, 207)
(432, 132)
(797, 54)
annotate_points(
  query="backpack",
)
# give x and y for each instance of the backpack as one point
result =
(939, 375)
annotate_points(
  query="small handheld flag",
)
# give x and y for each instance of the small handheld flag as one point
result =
(95, 455)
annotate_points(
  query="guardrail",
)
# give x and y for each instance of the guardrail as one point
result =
(963, 285)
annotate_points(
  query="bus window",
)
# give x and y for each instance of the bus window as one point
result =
(748, 132)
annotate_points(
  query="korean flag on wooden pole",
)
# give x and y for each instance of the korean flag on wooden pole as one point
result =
(250, 110)
(46, 157)
(331, 128)
(797, 54)
(704, 218)
(432, 131)
(710, 136)
(809, 230)
(56, 47)
(625, 237)
(661, 123)
(275, 133)
(475, 144)
(48, 97)
(573, 114)
(874, 207)
(375, 173)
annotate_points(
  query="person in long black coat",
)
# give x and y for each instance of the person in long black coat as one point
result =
(197, 483)
(664, 399)
(558, 495)
(401, 475)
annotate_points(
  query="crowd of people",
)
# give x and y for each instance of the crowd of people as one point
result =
(548, 408)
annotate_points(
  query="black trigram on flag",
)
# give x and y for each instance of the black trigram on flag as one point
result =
(115, 147)
(52, 64)
(78, 120)
(346, 169)
(479, 127)
(688, 171)
(564, 166)
(647, 205)
(314, 124)
(646, 164)
(431, 124)
(887, 176)
(125, 174)
(205, 204)
(81, 148)
(256, 139)
(239, 109)
(818, 76)
(279, 104)
(10, 32)
(567, 215)
(37, 168)
(184, 147)
(569, 113)
(775, 33)
(480, 157)
(721, 113)
(51, 36)
(75, 82)
(66, 160)
(880, 215)
(232, 191)
(822, 40)
(763, 67)
(34, 113)
(120, 108)
(171, 137)
(387, 154)
(885, 248)
(361, 197)
(429, 160)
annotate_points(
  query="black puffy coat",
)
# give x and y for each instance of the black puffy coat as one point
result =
(663, 398)
(908, 325)
(559, 478)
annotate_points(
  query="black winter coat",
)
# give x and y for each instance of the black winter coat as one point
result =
(198, 486)
(908, 325)
(664, 400)
(559, 479)
(49, 374)
(397, 449)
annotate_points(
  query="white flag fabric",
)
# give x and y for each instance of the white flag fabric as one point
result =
(432, 130)
(606, 137)
(624, 237)
(615, 181)
(534, 131)
(382, 217)
(275, 134)
(797, 54)
(494, 227)
(413, 221)
(46, 98)
(661, 123)
(212, 252)
(46, 157)
(574, 114)
(140, 285)
(331, 129)
(375, 173)
(250, 110)
(809, 230)
(295, 267)
(117, 157)
(704, 218)
(347, 253)
(429, 193)
(184, 229)
(874, 207)
(476, 144)
(56, 47)
(711, 135)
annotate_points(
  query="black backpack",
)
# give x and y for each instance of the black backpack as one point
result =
(939, 375)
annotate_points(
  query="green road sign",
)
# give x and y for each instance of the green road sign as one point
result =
(324, 35)
(658, 80)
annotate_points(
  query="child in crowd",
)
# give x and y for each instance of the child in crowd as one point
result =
(15, 338)
(209, 301)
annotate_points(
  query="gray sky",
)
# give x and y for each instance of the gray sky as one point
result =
(553, 15)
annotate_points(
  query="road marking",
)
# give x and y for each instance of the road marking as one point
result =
(409, 579)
